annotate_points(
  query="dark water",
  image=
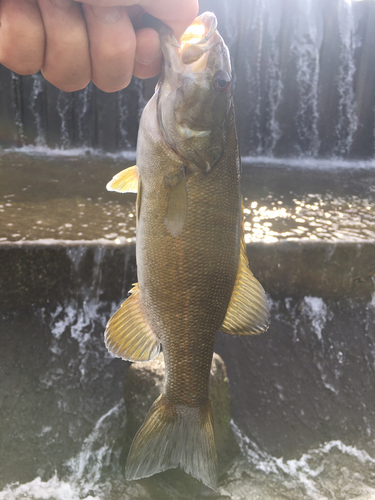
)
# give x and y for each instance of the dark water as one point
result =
(302, 394)
(302, 404)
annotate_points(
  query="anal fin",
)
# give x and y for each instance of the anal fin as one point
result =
(248, 311)
(128, 334)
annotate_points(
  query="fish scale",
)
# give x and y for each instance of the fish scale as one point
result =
(197, 272)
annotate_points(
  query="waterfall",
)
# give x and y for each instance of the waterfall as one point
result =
(305, 50)
(304, 86)
(16, 95)
(84, 116)
(274, 88)
(347, 119)
(64, 108)
(36, 106)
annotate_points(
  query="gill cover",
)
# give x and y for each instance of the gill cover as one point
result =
(194, 94)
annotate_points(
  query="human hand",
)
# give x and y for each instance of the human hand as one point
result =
(74, 42)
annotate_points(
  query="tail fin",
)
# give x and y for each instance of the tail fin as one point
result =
(173, 436)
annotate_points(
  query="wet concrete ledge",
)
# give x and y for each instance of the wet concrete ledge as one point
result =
(38, 273)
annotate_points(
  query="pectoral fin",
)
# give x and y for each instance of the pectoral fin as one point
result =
(128, 334)
(248, 311)
(177, 204)
(125, 181)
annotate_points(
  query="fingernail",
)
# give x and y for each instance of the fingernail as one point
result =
(108, 15)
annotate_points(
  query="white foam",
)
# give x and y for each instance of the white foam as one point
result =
(318, 313)
(361, 455)
(306, 470)
(316, 310)
(42, 150)
(372, 302)
(311, 163)
(96, 451)
(37, 489)
(58, 327)
(298, 162)
(80, 324)
(55, 242)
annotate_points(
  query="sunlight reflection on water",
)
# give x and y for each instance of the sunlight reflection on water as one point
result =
(312, 217)
(64, 198)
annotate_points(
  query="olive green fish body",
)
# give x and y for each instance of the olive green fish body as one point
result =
(186, 281)
(193, 274)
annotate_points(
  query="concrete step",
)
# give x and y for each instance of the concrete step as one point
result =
(310, 229)
(35, 274)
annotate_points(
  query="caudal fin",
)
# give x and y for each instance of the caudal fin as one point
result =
(175, 436)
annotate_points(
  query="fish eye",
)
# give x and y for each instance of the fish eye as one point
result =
(222, 81)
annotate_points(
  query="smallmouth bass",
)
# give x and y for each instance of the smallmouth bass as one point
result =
(193, 274)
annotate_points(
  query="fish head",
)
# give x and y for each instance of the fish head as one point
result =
(194, 93)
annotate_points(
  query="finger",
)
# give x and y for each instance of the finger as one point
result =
(148, 55)
(22, 36)
(112, 46)
(67, 57)
(178, 14)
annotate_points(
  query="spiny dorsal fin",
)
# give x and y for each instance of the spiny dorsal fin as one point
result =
(248, 311)
(125, 181)
(177, 204)
(128, 334)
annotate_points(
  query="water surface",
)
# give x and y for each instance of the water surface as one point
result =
(64, 198)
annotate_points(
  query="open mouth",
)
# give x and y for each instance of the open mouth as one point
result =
(197, 39)
(194, 34)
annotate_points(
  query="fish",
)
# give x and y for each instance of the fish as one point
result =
(193, 272)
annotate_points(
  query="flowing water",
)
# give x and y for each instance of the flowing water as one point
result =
(303, 412)
(62, 195)
(63, 415)
(304, 84)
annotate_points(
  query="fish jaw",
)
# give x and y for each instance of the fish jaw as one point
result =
(192, 108)
(197, 40)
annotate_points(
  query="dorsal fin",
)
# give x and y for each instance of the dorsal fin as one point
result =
(248, 311)
(125, 181)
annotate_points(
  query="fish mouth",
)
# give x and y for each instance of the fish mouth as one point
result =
(197, 41)
(186, 87)
(198, 38)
